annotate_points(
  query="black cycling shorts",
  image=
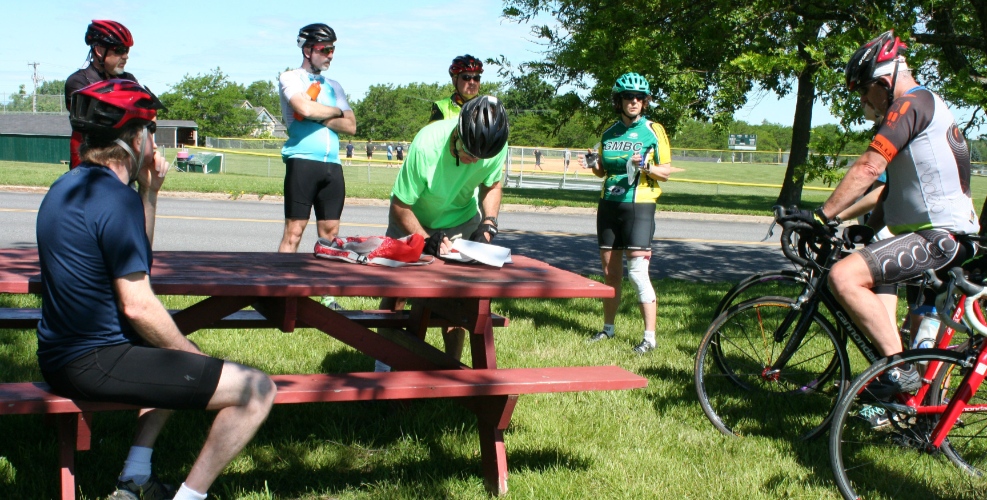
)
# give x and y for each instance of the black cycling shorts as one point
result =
(908, 255)
(309, 183)
(148, 377)
(625, 226)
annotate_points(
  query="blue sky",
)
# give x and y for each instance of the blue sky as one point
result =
(386, 41)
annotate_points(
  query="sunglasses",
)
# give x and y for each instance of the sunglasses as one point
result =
(631, 96)
(325, 49)
(470, 78)
(120, 49)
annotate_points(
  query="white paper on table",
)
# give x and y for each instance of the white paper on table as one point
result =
(485, 253)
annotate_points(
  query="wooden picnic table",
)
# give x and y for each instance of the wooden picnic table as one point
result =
(281, 286)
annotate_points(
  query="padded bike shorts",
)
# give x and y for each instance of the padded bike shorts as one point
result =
(309, 183)
(906, 256)
(625, 226)
(148, 377)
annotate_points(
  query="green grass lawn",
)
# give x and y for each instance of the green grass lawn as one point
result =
(639, 444)
(248, 174)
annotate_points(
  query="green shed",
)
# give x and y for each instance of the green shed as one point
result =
(35, 138)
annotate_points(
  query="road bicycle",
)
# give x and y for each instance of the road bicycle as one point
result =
(929, 444)
(776, 365)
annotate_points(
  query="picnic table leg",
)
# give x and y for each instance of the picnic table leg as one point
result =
(68, 428)
(493, 416)
(481, 336)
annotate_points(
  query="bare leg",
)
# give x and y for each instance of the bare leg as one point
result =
(613, 276)
(851, 282)
(293, 230)
(454, 339)
(891, 304)
(649, 311)
(243, 397)
(328, 228)
(149, 424)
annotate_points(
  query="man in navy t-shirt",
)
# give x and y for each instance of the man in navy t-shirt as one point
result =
(104, 336)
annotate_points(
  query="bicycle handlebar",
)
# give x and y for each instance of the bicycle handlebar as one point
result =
(788, 228)
(972, 292)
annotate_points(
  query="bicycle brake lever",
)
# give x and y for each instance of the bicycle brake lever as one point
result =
(771, 231)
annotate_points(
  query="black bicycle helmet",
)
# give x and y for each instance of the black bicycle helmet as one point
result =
(315, 33)
(868, 58)
(483, 126)
(466, 63)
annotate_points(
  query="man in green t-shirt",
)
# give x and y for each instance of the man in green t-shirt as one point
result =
(449, 187)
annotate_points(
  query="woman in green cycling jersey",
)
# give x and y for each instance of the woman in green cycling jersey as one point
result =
(634, 155)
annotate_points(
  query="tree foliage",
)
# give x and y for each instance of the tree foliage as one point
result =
(703, 57)
(213, 102)
(50, 98)
(265, 94)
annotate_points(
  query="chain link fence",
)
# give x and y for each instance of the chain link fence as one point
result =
(33, 103)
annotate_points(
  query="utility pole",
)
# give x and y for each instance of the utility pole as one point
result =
(37, 79)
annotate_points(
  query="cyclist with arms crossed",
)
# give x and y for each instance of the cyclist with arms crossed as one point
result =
(926, 197)
(625, 219)
(449, 187)
(465, 73)
(315, 112)
(104, 336)
(109, 45)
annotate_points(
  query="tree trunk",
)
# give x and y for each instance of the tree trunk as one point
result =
(791, 188)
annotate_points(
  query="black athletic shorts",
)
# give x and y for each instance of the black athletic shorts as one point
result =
(309, 183)
(906, 256)
(625, 226)
(148, 377)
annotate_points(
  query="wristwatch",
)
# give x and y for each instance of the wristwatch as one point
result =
(491, 219)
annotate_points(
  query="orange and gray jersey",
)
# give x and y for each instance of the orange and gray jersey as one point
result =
(928, 166)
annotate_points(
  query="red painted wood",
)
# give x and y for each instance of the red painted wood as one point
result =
(26, 319)
(482, 337)
(303, 275)
(493, 417)
(208, 312)
(67, 428)
(84, 431)
(369, 343)
(33, 397)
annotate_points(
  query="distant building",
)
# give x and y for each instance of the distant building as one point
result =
(176, 133)
(269, 124)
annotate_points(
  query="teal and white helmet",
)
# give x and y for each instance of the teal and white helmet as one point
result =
(631, 82)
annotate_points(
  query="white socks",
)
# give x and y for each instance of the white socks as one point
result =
(649, 336)
(138, 465)
(609, 330)
(186, 493)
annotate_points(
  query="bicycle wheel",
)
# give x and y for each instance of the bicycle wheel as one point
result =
(740, 399)
(966, 445)
(892, 456)
(773, 283)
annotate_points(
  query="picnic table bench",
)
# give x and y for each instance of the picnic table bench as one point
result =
(280, 287)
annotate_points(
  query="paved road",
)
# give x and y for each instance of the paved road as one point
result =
(692, 250)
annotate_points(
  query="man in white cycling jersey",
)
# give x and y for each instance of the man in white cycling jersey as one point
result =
(927, 196)
(315, 111)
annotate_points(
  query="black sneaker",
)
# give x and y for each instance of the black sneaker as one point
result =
(892, 382)
(875, 416)
(644, 347)
(601, 336)
(152, 489)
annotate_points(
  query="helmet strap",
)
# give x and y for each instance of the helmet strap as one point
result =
(135, 165)
(311, 67)
(894, 81)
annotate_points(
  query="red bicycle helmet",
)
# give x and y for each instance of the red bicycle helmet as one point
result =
(105, 108)
(465, 63)
(108, 33)
(863, 63)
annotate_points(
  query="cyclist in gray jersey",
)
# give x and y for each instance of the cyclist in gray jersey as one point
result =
(927, 195)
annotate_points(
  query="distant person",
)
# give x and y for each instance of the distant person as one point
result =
(450, 187)
(104, 336)
(349, 153)
(390, 151)
(316, 112)
(566, 157)
(400, 151)
(538, 158)
(465, 73)
(370, 149)
(109, 45)
(625, 219)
